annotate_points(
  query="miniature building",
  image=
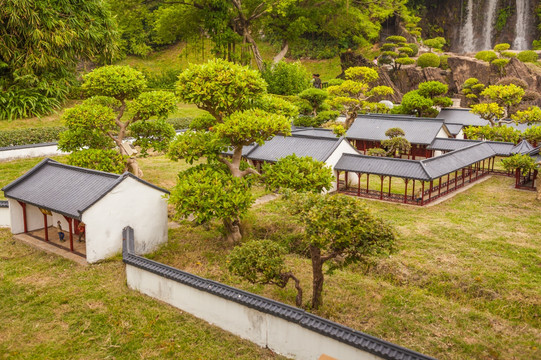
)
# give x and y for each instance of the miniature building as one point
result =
(53, 193)
(368, 131)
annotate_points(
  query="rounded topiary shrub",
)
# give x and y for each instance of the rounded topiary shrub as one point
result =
(428, 60)
(286, 78)
(486, 55)
(527, 56)
(413, 47)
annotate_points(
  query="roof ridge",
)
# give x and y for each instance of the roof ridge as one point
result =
(312, 137)
(455, 151)
(86, 170)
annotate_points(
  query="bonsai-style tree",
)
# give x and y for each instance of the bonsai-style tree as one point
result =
(353, 95)
(472, 89)
(241, 114)
(423, 101)
(435, 44)
(533, 135)
(262, 262)
(97, 127)
(524, 164)
(339, 230)
(396, 52)
(315, 98)
(397, 144)
(499, 101)
(300, 174)
(499, 133)
(499, 58)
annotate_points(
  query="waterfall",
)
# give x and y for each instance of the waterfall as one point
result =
(466, 34)
(489, 23)
(521, 26)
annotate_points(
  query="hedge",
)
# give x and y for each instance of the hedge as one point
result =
(42, 135)
(428, 60)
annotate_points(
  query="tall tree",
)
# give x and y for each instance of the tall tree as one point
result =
(41, 44)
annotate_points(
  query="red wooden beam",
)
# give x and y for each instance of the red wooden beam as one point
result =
(422, 192)
(413, 191)
(367, 183)
(69, 220)
(439, 188)
(359, 184)
(390, 185)
(406, 191)
(381, 191)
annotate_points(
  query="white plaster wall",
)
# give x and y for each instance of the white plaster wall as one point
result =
(5, 217)
(437, 153)
(344, 148)
(130, 203)
(34, 217)
(39, 151)
(460, 134)
(442, 133)
(265, 330)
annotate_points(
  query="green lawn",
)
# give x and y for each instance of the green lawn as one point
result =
(52, 308)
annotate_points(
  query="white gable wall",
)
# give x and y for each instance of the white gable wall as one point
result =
(344, 148)
(460, 134)
(5, 220)
(442, 133)
(131, 203)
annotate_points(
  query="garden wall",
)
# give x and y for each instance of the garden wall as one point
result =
(4, 214)
(28, 151)
(282, 328)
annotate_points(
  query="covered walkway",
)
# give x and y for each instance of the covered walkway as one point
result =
(414, 182)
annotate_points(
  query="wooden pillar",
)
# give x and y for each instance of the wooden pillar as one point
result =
(463, 175)
(23, 205)
(439, 187)
(449, 181)
(367, 183)
(338, 180)
(517, 177)
(413, 191)
(390, 185)
(493, 161)
(70, 223)
(534, 177)
(45, 227)
(359, 185)
(346, 180)
(405, 191)
(471, 172)
(477, 170)
(381, 191)
(430, 190)
(422, 192)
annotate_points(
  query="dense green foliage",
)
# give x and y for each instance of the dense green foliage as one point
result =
(30, 136)
(42, 42)
(300, 174)
(486, 55)
(523, 163)
(241, 113)
(498, 133)
(396, 52)
(101, 122)
(286, 78)
(397, 144)
(315, 97)
(356, 94)
(339, 230)
(428, 60)
(423, 101)
(472, 88)
(108, 160)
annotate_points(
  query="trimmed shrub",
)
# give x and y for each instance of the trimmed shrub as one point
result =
(501, 47)
(335, 82)
(30, 136)
(486, 55)
(527, 56)
(413, 47)
(286, 78)
(325, 116)
(306, 121)
(443, 62)
(428, 60)
(180, 123)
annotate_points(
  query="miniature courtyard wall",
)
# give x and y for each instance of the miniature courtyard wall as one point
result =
(4, 214)
(34, 217)
(29, 151)
(282, 328)
(344, 148)
(130, 203)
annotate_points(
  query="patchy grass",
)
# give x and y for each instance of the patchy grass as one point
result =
(52, 308)
(465, 281)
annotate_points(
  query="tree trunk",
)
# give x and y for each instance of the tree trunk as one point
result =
(317, 277)
(232, 228)
(298, 298)
(281, 54)
(133, 167)
(255, 50)
(350, 118)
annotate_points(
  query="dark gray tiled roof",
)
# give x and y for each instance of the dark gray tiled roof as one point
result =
(454, 129)
(245, 150)
(456, 160)
(522, 147)
(27, 146)
(428, 169)
(68, 190)
(403, 168)
(357, 339)
(445, 144)
(316, 132)
(319, 148)
(417, 130)
(536, 154)
(461, 116)
(4, 204)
